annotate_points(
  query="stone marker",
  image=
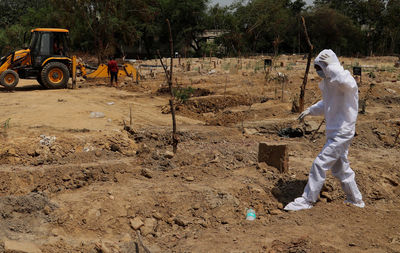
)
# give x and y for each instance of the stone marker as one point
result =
(275, 155)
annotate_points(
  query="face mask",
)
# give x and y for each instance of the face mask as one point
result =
(321, 73)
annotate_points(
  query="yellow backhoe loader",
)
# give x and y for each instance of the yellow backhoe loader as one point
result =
(47, 60)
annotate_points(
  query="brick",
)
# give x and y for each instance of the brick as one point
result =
(275, 155)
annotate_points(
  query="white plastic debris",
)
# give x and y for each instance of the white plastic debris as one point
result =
(88, 147)
(47, 140)
(97, 115)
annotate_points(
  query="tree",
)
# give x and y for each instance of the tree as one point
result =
(392, 21)
(331, 29)
(188, 19)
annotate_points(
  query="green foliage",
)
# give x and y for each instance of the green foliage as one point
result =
(5, 124)
(11, 38)
(182, 94)
(103, 27)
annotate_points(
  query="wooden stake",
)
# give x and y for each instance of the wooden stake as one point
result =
(168, 74)
(171, 101)
(363, 102)
(397, 137)
(303, 86)
(316, 131)
(226, 83)
(130, 116)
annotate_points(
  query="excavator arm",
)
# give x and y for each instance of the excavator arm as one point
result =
(102, 70)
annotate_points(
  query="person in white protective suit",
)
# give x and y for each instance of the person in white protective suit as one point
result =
(339, 105)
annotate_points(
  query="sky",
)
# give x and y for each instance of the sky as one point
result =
(227, 2)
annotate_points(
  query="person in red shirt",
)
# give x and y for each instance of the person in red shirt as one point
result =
(113, 71)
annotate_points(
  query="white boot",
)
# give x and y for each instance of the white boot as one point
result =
(298, 204)
(359, 204)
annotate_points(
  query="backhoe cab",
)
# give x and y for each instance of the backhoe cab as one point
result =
(46, 59)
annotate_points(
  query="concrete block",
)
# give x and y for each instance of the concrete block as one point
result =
(275, 155)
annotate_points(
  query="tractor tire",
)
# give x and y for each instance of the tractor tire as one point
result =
(55, 75)
(39, 80)
(9, 79)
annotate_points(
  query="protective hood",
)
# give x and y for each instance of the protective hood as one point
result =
(333, 61)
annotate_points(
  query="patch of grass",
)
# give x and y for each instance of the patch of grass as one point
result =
(183, 94)
(5, 124)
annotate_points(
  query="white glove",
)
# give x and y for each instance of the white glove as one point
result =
(303, 114)
(327, 59)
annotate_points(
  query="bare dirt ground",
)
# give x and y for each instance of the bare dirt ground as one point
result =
(70, 182)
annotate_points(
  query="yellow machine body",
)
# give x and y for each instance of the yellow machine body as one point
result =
(20, 56)
(102, 71)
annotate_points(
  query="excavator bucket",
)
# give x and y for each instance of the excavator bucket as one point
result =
(124, 70)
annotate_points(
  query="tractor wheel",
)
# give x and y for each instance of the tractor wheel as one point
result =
(39, 80)
(9, 79)
(55, 75)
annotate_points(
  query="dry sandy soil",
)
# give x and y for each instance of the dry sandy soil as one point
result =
(73, 183)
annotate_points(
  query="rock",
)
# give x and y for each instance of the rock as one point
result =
(327, 195)
(155, 156)
(149, 225)
(250, 131)
(12, 152)
(279, 206)
(189, 179)
(97, 153)
(101, 247)
(20, 247)
(146, 230)
(46, 210)
(146, 173)
(143, 149)
(126, 238)
(196, 206)
(169, 154)
(154, 248)
(239, 157)
(157, 216)
(115, 148)
(150, 222)
(262, 166)
(275, 212)
(181, 221)
(136, 223)
(208, 115)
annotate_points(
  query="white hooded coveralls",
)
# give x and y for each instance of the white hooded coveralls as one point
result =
(339, 104)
